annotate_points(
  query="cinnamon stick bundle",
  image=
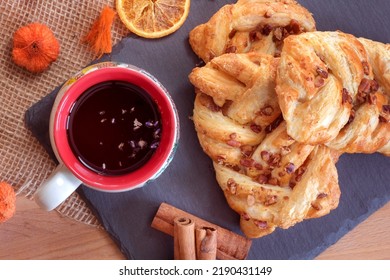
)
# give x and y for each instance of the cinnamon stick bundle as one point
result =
(184, 239)
(230, 246)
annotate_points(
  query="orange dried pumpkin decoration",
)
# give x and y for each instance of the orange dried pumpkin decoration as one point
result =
(35, 47)
(7, 201)
(99, 37)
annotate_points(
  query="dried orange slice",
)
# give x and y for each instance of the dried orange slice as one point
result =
(153, 18)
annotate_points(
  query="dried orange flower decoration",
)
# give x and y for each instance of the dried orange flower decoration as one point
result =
(35, 47)
(7, 201)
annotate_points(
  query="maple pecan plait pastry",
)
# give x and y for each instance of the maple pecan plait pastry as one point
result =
(267, 177)
(333, 89)
(250, 25)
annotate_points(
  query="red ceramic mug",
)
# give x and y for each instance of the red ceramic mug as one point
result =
(67, 125)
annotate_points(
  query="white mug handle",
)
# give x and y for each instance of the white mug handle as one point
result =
(56, 188)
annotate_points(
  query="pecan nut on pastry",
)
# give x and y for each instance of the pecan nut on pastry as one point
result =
(236, 101)
(328, 93)
(250, 25)
(379, 59)
(267, 177)
(317, 81)
(368, 128)
(296, 182)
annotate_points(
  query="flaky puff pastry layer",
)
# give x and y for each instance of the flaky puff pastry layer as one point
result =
(235, 103)
(250, 25)
(242, 84)
(265, 206)
(267, 177)
(379, 59)
(329, 93)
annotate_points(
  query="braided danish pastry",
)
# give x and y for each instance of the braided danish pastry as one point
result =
(329, 93)
(250, 25)
(275, 127)
(267, 177)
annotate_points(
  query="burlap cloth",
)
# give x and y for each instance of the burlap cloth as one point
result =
(23, 161)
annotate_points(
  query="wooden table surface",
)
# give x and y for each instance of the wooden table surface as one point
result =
(35, 234)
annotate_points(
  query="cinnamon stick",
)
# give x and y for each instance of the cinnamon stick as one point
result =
(184, 239)
(230, 246)
(206, 243)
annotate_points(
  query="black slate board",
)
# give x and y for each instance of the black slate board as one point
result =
(189, 181)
